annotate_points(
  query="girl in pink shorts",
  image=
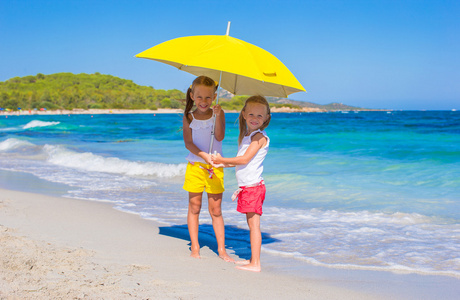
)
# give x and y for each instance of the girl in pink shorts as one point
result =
(253, 145)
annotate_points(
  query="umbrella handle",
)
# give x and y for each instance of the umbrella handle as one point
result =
(214, 116)
(212, 134)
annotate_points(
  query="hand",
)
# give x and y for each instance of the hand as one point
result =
(218, 165)
(216, 158)
(217, 109)
(207, 158)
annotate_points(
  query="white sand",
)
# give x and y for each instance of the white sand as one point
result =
(60, 248)
(137, 111)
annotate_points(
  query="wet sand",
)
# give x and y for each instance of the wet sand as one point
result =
(53, 247)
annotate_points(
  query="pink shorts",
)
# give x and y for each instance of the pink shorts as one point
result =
(250, 199)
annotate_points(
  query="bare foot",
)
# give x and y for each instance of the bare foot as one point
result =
(242, 262)
(249, 267)
(226, 257)
(195, 254)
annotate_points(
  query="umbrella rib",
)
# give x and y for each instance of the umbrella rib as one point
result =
(285, 92)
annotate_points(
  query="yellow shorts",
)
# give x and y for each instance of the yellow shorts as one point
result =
(199, 177)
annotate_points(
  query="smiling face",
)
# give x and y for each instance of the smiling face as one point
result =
(255, 115)
(203, 96)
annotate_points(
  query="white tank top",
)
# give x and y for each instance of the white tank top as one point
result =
(201, 135)
(251, 173)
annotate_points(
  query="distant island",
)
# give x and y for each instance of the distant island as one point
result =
(68, 91)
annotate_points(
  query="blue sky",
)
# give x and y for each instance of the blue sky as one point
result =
(377, 54)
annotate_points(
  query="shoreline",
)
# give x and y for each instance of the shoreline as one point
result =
(92, 112)
(149, 111)
(63, 247)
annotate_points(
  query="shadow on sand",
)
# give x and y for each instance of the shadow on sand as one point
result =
(236, 239)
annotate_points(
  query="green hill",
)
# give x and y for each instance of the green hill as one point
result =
(69, 91)
(326, 107)
(97, 91)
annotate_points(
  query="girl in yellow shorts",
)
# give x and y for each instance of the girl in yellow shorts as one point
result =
(200, 175)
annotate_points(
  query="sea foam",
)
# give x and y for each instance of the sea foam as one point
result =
(87, 161)
(365, 240)
(12, 144)
(37, 123)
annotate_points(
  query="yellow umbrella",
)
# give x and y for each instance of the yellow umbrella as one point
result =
(239, 67)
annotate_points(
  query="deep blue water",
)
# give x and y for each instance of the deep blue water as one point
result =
(369, 190)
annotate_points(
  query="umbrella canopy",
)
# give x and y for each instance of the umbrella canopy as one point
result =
(246, 69)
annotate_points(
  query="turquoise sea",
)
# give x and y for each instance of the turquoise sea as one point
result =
(358, 190)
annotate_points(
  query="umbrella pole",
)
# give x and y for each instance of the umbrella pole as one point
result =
(214, 116)
(217, 99)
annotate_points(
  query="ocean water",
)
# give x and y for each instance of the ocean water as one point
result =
(364, 190)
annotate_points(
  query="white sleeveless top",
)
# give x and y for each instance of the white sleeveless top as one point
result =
(251, 173)
(201, 135)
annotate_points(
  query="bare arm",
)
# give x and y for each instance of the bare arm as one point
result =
(219, 130)
(188, 140)
(258, 141)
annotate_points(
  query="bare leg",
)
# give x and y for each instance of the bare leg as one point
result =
(215, 210)
(256, 243)
(194, 207)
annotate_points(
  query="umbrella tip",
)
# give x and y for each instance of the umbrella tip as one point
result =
(228, 28)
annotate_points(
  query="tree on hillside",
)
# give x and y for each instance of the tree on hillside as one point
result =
(84, 91)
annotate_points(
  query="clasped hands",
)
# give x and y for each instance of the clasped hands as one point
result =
(216, 160)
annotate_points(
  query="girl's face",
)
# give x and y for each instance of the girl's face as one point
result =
(203, 96)
(255, 115)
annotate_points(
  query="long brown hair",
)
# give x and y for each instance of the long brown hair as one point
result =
(200, 80)
(242, 123)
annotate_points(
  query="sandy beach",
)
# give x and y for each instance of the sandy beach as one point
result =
(92, 112)
(62, 248)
